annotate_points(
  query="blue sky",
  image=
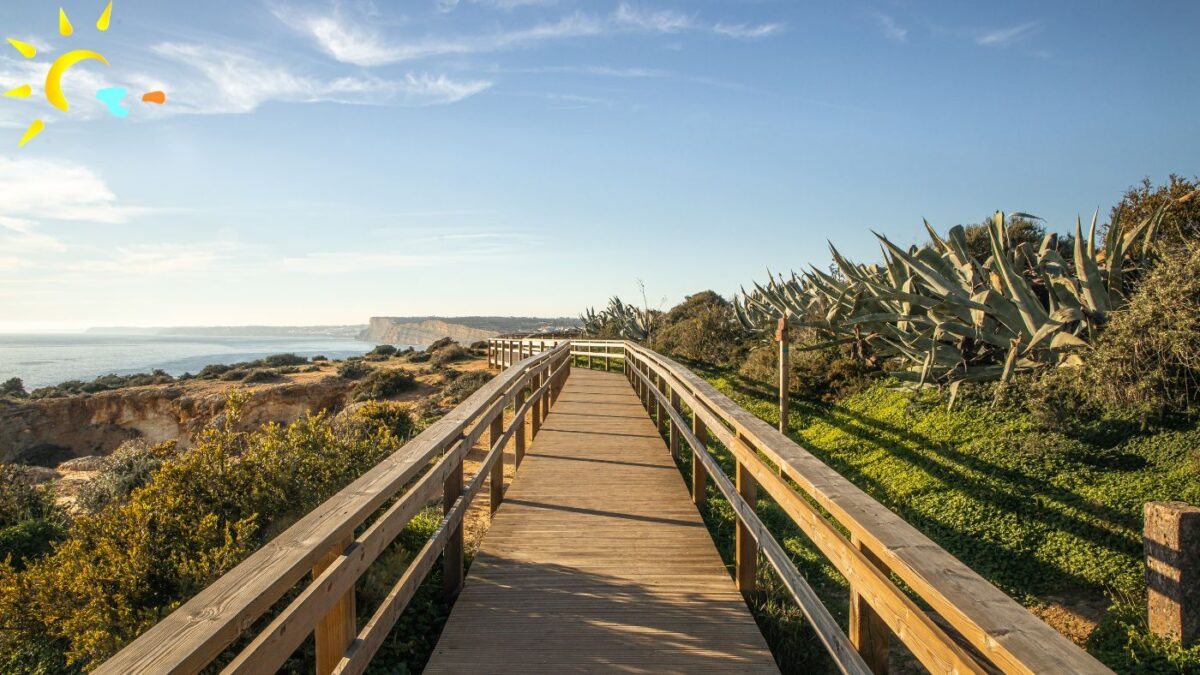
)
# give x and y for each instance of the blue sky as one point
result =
(322, 162)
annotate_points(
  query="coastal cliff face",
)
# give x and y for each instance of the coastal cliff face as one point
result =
(50, 431)
(392, 331)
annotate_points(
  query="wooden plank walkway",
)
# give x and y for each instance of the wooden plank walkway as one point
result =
(598, 560)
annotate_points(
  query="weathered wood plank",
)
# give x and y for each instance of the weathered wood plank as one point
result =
(598, 559)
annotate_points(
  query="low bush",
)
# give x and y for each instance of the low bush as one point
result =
(123, 568)
(466, 384)
(382, 352)
(129, 467)
(701, 328)
(102, 383)
(279, 360)
(384, 384)
(13, 388)
(395, 417)
(30, 522)
(319, 358)
(354, 370)
(1148, 358)
(448, 354)
(439, 344)
(262, 376)
(816, 374)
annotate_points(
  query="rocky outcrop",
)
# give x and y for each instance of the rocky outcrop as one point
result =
(394, 331)
(48, 432)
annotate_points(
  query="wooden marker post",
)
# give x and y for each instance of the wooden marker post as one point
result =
(1172, 541)
(781, 334)
(497, 477)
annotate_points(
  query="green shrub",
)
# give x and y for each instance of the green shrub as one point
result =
(448, 354)
(122, 569)
(262, 377)
(13, 388)
(21, 498)
(466, 384)
(384, 384)
(701, 328)
(385, 351)
(319, 357)
(1148, 358)
(30, 539)
(278, 360)
(439, 344)
(353, 370)
(213, 371)
(397, 418)
(816, 374)
(129, 467)
(419, 357)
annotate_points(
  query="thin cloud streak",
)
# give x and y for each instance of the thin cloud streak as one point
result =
(1004, 36)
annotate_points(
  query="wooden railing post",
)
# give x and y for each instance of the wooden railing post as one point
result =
(452, 556)
(869, 633)
(663, 427)
(676, 439)
(699, 473)
(497, 479)
(746, 547)
(337, 629)
(519, 430)
(784, 381)
(536, 420)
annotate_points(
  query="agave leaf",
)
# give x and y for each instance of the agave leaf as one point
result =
(931, 276)
(1095, 295)
(1033, 314)
(1066, 340)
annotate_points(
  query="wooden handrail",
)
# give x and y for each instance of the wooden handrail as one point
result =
(1000, 632)
(189, 639)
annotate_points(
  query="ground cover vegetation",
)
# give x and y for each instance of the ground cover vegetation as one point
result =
(1014, 394)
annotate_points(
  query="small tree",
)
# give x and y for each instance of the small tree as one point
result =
(14, 388)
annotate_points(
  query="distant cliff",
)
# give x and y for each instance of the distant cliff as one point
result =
(423, 330)
(398, 331)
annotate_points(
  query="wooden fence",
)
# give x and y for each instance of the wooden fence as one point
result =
(970, 626)
(988, 631)
(324, 544)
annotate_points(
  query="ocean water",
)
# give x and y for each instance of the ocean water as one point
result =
(43, 360)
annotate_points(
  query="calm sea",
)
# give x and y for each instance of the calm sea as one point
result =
(42, 360)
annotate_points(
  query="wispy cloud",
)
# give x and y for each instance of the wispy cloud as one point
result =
(352, 42)
(1004, 36)
(673, 21)
(661, 21)
(41, 189)
(890, 27)
(232, 82)
(159, 259)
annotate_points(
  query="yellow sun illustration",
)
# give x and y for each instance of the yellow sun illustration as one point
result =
(54, 92)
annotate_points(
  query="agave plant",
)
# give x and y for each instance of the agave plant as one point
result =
(627, 321)
(949, 317)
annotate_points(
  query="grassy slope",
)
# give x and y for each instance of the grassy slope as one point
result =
(1041, 515)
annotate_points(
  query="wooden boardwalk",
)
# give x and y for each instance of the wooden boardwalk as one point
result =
(598, 560)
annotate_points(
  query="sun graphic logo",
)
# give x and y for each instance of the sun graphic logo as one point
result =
(112, 97)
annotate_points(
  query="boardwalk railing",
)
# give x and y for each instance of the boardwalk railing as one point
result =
(324, 544)
(973, 627)
(988, 631)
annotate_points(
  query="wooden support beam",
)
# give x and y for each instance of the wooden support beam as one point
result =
(519, 433)
(781, 334)
(746, 548)
(663, 418)
(452, 557)
(536, 419)
(676, 439)
(495, 432)
(869, 633)
(337, 629)
(699, 473)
